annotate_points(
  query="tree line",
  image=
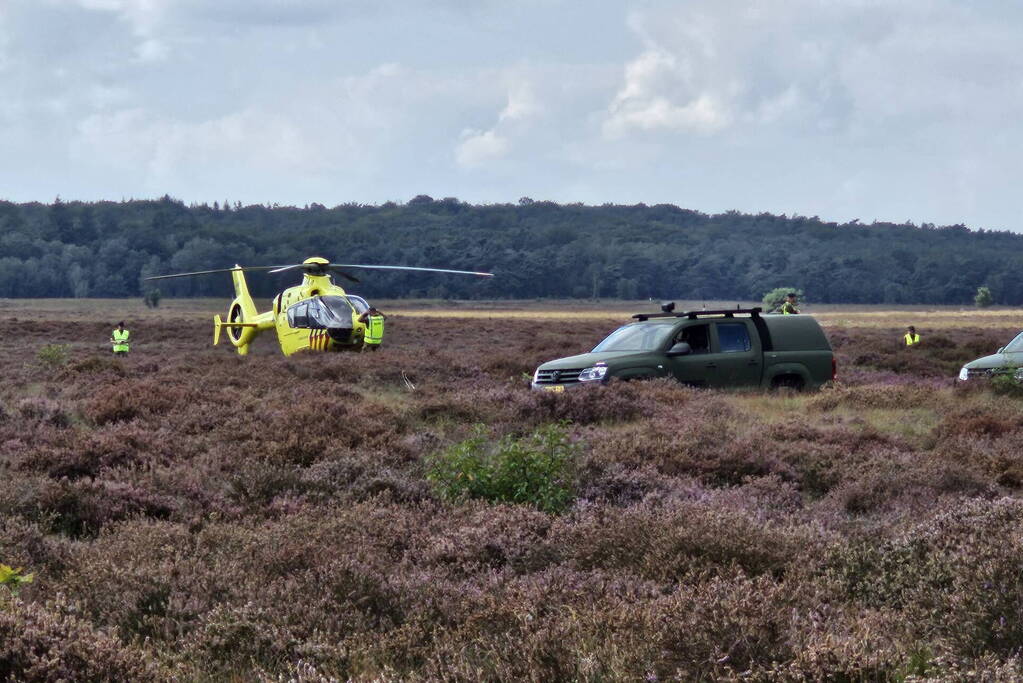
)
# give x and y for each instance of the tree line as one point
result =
(535, 248)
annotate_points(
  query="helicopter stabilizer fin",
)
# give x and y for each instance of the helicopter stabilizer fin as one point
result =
(218, 323)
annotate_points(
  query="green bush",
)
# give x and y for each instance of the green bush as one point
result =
(537, 470)
(53, 355)
(983, 298)
(776, 297)
(1006, 384)
(13, 578)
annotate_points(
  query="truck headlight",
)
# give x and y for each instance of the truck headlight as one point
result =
(1018, 374)
(593, 374)
(964, 374)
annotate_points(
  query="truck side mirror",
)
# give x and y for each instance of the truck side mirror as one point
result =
(680, 349)
(1000, 349)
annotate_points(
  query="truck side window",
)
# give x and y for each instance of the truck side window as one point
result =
(733, 337)
(697, 336)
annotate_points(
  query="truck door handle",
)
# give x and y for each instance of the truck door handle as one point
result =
(711, 365)
(753, 361)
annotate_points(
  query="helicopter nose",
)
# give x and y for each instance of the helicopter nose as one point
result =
(342, 335)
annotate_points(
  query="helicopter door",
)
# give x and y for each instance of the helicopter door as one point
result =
(298, 315)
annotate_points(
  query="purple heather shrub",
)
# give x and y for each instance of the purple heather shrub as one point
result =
(50, 642)
(190, 514)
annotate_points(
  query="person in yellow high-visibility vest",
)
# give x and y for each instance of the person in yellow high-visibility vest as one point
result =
(374, 334)
(119, 339)
(789, 305)
(911, 337)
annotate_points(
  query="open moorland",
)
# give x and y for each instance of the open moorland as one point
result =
(189, 514)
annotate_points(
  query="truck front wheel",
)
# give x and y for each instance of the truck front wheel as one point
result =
(790, 382)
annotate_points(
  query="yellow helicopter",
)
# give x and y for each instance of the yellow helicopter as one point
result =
(317, 315)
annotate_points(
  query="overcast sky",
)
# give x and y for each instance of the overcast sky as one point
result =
(845, 109)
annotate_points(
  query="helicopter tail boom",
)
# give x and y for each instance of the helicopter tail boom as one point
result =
(243, 320)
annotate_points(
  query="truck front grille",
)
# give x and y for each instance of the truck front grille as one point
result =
(558, 376)
(987, 372)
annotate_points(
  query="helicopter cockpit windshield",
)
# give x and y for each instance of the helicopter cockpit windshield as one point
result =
(321, 312)
(334, 311)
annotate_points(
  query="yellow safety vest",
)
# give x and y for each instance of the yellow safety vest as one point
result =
(788, 309)
(912, 339)
(374, 333)
(121, 339)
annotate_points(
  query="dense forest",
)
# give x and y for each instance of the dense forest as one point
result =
(536, 249)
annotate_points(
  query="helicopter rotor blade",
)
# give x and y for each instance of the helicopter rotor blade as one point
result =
(281, 269)
(347, 276)
(320, 268)
(218, 270)
(414, 268)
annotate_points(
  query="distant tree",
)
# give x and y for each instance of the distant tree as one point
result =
(538, 249)
(78, 278)
(983, 297)
(627, 289)
(774, 299)
(85, 231)
(61, 221)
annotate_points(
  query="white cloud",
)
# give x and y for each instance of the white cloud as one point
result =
(522, 102)
(144, 17)
(479, 147)
(151, 50)
(162, 151)
(4, 39)
(757, 105)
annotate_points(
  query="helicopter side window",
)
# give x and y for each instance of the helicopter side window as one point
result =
(298, 315)
(360, 304)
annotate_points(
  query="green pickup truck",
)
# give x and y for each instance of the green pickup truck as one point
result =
(726, 348)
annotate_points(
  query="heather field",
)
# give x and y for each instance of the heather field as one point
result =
(188, 514)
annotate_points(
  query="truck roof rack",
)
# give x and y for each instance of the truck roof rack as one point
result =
(692, 315)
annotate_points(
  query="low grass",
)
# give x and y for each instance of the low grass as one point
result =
(912, 423)
(772, 407)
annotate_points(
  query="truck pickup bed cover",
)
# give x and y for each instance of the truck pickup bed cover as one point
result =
(796, 333)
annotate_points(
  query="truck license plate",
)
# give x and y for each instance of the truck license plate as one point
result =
(554, 387)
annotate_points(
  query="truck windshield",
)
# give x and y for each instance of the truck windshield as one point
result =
(1015, 346)
(635, 338)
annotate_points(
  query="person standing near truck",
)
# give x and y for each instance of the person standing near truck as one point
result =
(119, 340)
(911, 337)
(789, 307)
